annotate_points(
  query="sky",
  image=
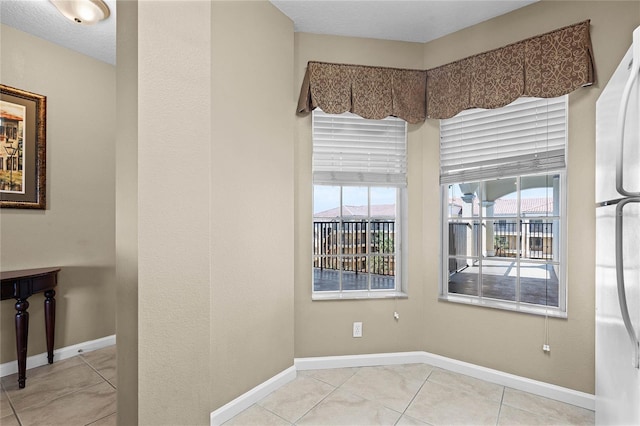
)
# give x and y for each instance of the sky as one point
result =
(328, 197)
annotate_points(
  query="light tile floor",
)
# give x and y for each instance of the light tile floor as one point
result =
(76, 391)
(412, 394)
(81, 391)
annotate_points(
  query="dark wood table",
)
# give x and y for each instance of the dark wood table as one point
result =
(20, 285)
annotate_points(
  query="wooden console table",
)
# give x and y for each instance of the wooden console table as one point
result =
(20, 285)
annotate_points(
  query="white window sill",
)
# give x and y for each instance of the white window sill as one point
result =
(358, 295)
(505, 305)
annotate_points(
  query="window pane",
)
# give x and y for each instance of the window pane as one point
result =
(382, 270)
(383, 236)
(382, 265)
(464, 279)
(499, 197)
(463, 200)
(355, 201)
(326, 201)
(499, 278)
(354, 273)
(325, 237)
(325, 274)
(354, 237)
(537, 195)
(502, 228)
(383, 202)
(540, 238)
(504, 235)
(463, 238)
(539, 283)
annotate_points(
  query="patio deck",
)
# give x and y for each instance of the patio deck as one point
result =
(327, 280)
(538, 282)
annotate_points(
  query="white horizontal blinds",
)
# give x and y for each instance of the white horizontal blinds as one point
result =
(525, 136)
(349, 149)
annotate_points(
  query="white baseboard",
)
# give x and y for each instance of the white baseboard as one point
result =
(58, 354)
(247, 399)
(367, 360)
(547, 390)
(558, 393)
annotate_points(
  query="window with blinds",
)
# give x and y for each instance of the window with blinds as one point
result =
(526, 136)
(359, 196)
(350, 149)
(503, 189)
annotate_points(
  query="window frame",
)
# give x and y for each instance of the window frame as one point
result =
(400, 287)
(561, 310)
(400, 223)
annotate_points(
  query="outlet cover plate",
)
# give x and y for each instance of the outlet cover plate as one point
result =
(357, 329)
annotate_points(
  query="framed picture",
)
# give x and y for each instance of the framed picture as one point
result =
(22, 149)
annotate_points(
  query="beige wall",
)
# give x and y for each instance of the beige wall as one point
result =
(76, 231)
(215, 205)
(127, 212)
(251, 196)
(325, 327)
(213, 323)
(497, 339)
(174, 149)
(507, 341)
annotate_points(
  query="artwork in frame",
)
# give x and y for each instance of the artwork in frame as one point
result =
(22, 149)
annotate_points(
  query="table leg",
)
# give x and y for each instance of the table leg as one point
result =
(22, 332)
(50, 321)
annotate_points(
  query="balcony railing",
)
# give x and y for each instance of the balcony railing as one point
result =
(528, 240)
(355, 246)
(536, 239)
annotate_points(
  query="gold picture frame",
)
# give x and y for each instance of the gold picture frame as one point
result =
(23, 151)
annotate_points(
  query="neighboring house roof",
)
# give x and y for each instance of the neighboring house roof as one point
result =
(376, 210)
(502, 207)
(508, 206)
(7, 116)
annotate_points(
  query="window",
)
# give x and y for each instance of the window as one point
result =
(359, 187)
(503, 186)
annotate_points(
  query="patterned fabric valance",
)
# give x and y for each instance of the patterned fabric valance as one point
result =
(546, 66)
(370, 92)
(549, 65)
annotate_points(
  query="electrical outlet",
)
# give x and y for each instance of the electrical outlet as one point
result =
(357, 329)
(546, 348)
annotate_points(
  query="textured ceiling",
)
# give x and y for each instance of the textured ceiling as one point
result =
(42, 19)
(413, 20)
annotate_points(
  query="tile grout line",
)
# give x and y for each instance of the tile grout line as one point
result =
(257, 404)
(500, 407)
(467, 392)
(97, 372)
(97, 420)
(49, 402)
(404, 412)
(367, 399)
(306, 412)
(13, 409)
(335, 388)
(59, 396)
(331, 384)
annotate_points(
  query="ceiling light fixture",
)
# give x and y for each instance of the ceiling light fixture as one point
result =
(86, 12)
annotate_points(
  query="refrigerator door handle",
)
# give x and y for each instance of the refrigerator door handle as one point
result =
(622, 115)
(622, 295)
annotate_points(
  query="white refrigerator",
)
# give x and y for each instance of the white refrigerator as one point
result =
(618, 244)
